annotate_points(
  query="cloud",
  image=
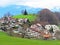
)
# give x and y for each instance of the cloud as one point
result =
(8, 2)
(33, 3)
(44, 3)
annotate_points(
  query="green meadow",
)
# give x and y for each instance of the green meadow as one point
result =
(8, 40)
(31, 17)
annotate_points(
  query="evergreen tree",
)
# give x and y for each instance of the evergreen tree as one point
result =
(25, 12)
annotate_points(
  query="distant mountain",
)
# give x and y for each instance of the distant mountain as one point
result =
(55, 9)
(14, 9)
(17, 9)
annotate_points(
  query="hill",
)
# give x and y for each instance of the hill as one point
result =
(31, 17)
(58, 15)
(7, 40)
(48, 16)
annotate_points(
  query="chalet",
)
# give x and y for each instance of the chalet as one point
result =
(55, 27)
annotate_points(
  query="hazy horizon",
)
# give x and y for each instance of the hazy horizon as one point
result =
(6, 5)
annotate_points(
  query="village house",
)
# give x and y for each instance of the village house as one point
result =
(35, 31)
(21, 27)
(53, 29)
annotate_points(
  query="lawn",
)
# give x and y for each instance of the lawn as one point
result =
(7, 40)
(30, 17)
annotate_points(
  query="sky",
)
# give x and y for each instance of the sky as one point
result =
(14, 6)
(33, 3)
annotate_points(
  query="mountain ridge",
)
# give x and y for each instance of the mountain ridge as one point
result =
(17, 9)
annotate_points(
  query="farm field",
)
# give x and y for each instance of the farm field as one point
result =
(7, 40)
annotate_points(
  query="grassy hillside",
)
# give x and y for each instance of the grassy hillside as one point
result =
(30, 16)
(7, 40)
